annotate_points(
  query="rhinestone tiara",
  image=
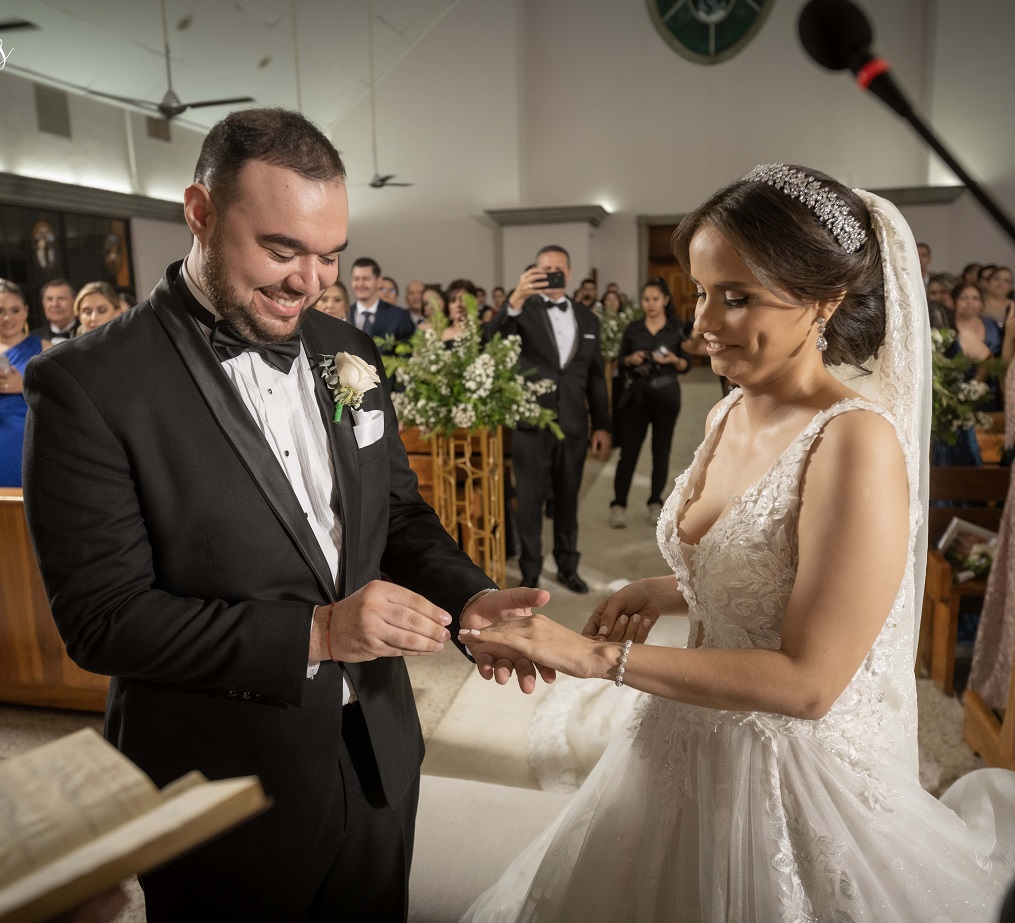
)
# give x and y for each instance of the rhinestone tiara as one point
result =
(832, 212)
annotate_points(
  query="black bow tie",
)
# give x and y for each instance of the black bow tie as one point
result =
(228, 344)
(557, 304)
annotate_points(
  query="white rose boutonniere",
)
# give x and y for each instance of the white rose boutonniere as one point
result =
(349, 377)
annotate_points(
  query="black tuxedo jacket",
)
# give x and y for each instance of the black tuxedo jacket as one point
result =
(178, 559)
(390, 318)
(581, 383)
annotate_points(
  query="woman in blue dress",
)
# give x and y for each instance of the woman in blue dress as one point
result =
(16, 348)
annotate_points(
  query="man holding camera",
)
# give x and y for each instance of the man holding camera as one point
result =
(560, 341)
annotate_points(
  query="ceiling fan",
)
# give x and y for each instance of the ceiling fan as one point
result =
(170, 105)
(378, 181)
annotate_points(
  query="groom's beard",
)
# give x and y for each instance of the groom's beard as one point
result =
(214, 279)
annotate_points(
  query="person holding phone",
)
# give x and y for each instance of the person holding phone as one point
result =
(16, 348)
(650, 360)
(560, 341)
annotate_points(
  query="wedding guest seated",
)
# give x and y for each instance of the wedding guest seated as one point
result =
(335, 301)
(414, 301)
(127, 299)
(16, 348)
(497, 297)
(940, 288)
(971, 272)
(388, 290)
(96, 304)
(58, 306)
(371, 313)
(434, 300)
(986, 271)
(997, 295)
(456, 309)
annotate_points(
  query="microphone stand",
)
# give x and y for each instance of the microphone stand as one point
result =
(883, 86)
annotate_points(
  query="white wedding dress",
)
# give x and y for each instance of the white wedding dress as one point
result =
(698, 814)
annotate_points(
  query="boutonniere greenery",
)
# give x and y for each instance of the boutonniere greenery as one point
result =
(349, 377)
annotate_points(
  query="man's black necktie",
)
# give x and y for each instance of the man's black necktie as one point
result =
(368, 322)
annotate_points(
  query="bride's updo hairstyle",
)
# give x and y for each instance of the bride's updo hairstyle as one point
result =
(807, 238)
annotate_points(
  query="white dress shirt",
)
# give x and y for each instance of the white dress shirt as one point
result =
(362, 311)
(285, 409)
(563, 323)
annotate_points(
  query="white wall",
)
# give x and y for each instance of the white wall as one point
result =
(156, 244)
(522, 242)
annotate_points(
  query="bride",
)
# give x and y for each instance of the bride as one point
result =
(770, 774)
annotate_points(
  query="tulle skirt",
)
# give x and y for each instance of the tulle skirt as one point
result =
(700, 815)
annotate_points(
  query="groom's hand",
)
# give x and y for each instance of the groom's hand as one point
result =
(496, 660)
(380, 619)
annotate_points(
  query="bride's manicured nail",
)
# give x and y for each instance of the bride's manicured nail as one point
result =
(636, 619)
(604, 630)
(646, 623)
(622, 620)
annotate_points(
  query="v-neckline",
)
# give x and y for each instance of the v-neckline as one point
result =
(735, 499)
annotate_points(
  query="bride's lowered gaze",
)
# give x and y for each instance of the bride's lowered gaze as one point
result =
(771, 774)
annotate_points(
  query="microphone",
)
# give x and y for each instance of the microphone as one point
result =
(837, 35)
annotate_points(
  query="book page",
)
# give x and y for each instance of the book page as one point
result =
(63, 794)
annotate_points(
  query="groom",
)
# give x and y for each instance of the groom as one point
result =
(215, 540)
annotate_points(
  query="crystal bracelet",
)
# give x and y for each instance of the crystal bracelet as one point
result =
(622, 668)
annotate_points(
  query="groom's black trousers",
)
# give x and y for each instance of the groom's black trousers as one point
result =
(357, 873)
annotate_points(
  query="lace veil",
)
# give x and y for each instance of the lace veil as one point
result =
(901, 379)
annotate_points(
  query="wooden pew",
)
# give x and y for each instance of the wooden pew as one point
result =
(34, 666)
(942, 597)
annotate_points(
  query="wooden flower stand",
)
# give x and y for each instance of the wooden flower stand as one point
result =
(464, 482)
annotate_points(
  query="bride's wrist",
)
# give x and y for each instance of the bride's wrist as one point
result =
(610, 658)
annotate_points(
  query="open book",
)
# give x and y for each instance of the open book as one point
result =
(77, 817)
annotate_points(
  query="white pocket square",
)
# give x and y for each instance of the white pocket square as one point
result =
(368, 426)
(589, 336)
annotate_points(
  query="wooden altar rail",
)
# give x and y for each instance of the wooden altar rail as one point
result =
(34, 666)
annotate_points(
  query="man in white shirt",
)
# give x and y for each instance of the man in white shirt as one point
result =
(414, 301)
(214, 522)
(371, 314)
(560, 341)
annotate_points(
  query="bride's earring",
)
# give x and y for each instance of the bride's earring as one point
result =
(822, 343)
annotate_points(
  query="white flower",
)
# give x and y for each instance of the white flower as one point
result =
(349, 377)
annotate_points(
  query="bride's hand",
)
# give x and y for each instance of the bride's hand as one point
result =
(546, 642)
(628, 614)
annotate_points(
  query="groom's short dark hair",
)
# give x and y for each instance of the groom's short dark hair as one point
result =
(274, 136)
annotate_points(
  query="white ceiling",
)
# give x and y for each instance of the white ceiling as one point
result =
(219, 49)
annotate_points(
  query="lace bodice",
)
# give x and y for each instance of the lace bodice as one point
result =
(737, 582)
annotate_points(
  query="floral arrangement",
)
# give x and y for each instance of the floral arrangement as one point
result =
(471, 385)
(955, 399)
(612, 326)
(974, 563)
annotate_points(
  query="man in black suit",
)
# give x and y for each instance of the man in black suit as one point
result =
(560, 341)
(212, 532)
(58, 306)
(372, 315)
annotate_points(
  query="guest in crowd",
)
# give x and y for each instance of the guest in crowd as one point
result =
(414, 301)
(651, 358)
(986, 271)
(58, 306)
(979, 338)
(926, 256)
(371, 313)
(997, 294)
(127, 299)
(940, 289)
(587, 292)
(434, 300)
(457, 311)
(971, 272)
(96, 304)
(16, 348)
(611, 301)
(335, 301)
(388, 290)
(497, 297)
(559, 341)
(613, 287)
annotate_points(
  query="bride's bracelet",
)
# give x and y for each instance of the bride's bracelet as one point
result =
(625, 649)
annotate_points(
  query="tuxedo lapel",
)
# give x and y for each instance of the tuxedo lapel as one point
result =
(169, 304)
(580, 329)
(542, 326)
(344, 453)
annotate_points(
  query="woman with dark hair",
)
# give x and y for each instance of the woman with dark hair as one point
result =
(770, 771)
(650, 360)
(433, 300)
(17, 346)
(971, 272)
(456, 293)
(997, 295)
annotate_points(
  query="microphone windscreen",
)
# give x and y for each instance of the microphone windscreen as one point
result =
(834, 32)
